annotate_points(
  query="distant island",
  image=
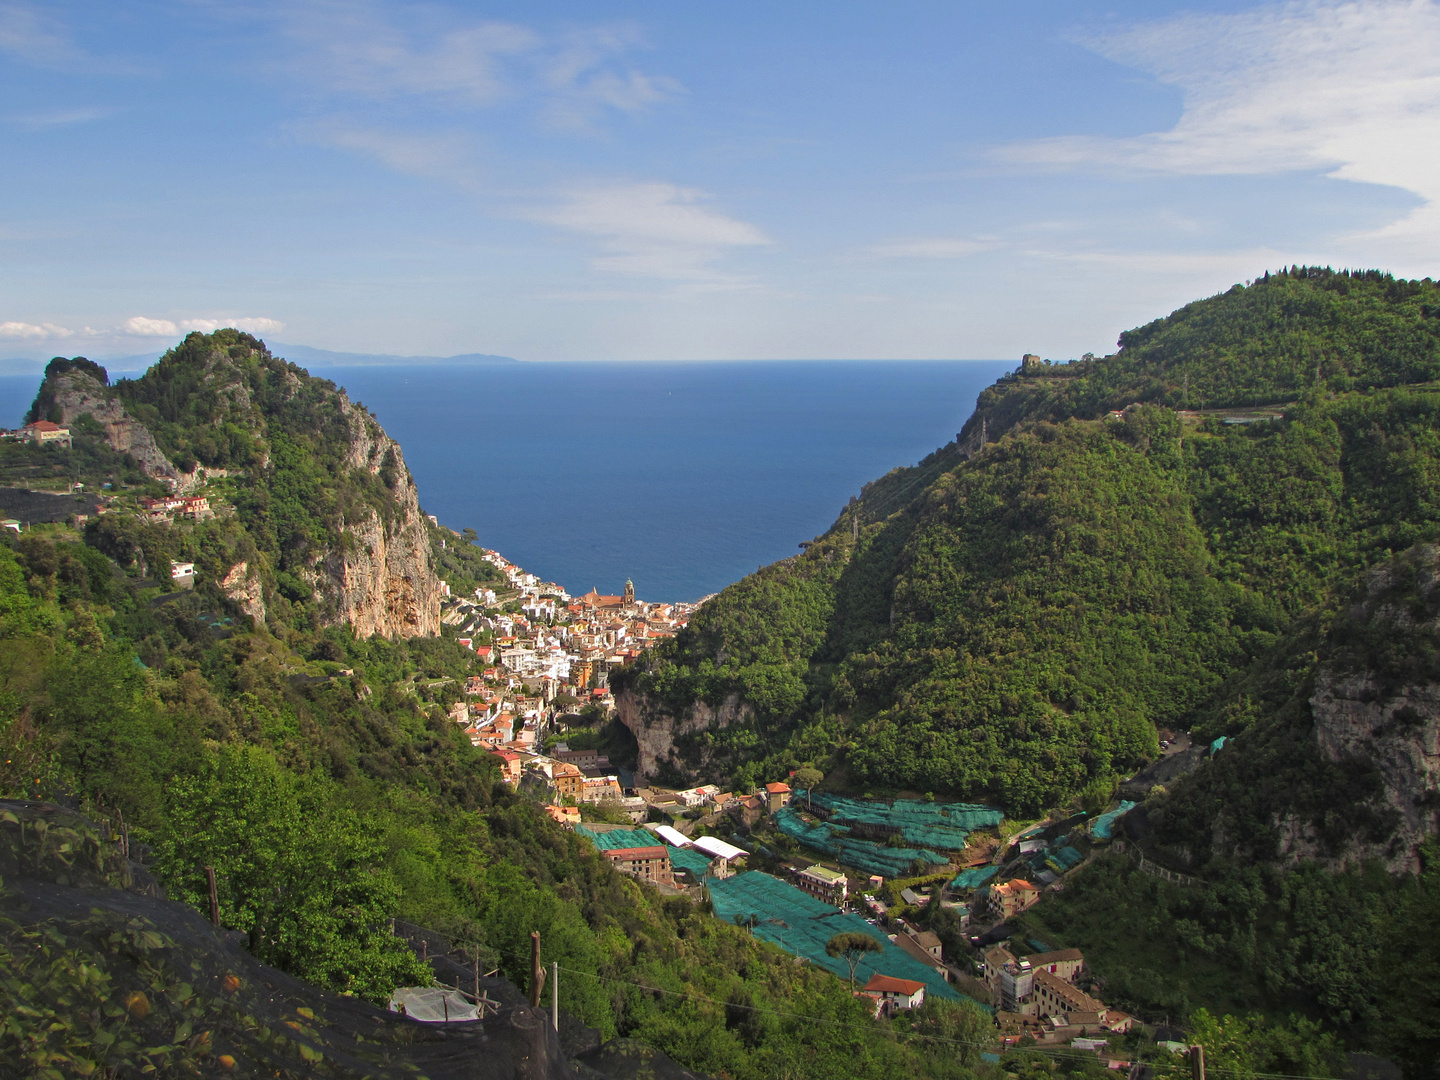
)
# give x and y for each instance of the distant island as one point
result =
(304, 354)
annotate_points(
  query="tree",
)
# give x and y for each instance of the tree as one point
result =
(807, 778)
(852, 947)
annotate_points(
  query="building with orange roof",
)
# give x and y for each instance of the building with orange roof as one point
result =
(564, 815)
(650, 864)
(892, 994)
(568, 779)
(777, 795)
(1011, 898)
(510, 765)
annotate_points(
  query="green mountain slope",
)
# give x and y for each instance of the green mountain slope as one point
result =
(286, 722)
(1015, 616)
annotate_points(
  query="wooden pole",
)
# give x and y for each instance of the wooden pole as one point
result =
(555, 994)
(537, 973)
(1197, 1063)
(477, 974)
(214, 896)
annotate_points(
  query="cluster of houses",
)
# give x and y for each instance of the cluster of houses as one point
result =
(555, 643)
(1037, 995)
(193, 507)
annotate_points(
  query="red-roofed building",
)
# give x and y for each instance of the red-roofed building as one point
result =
(650, 864)
(509, 765)
(44, 432)
(776, 796)
(893, 993)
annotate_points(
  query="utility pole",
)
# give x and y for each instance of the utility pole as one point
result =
(537, 973)
(1197, 1063)
(555, 995)
(214, 897)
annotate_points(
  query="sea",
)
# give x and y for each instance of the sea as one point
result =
(683, 477)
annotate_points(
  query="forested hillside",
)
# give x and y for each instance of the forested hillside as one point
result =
(286, 734)
(1014, 619)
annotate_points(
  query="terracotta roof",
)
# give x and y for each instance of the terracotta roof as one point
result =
(44, 425)
(777, 788)
(1059, 957)
(638, 853)
(885, 984)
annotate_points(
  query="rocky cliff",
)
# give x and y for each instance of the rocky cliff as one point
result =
(660, 735)
(323, 492)
(382, 580)
(78, 393)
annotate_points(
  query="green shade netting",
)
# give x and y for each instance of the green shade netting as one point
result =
(974, 877)
(684, 858)
(1100, 828)
(932, 825)
(867, 855)
(621, 838)
(800, 924)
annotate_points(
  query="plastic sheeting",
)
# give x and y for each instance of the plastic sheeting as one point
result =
(433, 1004)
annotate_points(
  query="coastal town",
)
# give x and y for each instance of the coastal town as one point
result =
(780, 857)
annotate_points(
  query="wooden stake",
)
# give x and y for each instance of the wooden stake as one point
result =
(477, 974)
(555, 994)
(214, 896)
(537, 973)
(1197, 1063)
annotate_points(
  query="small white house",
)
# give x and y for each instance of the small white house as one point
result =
(183, 573)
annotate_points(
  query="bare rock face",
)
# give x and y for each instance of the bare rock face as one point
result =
(1399, 734)
(78, 393)
(380, 578)
(242, 584)
(656, 731)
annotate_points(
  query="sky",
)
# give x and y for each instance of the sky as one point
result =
(643, 180)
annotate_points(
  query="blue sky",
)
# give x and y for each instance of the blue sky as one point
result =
(633, 181)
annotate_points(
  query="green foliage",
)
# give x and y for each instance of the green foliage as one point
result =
(1249, 1047)
(1014, 626)
(851, 947)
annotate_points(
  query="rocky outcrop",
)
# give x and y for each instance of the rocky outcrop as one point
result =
(657, 732)
(1397, 733)
(380, 579)
(77, 393)
(242, 584)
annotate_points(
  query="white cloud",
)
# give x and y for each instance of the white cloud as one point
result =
(1349, 88)
(60, 117)
(651, 229)
(23, 331)
(439, 155)
(582, 81)
(359, 53)
(574, 77)
(34, 36)
(142, 326)
(932, 247)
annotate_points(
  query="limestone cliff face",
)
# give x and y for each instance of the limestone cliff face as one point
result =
(369, 564)
(1397, 733)
(242, 584)
(657, 732)
(77, 393)
(380, 579)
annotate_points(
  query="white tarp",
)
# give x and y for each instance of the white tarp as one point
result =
(713, 846)
(432, 1004)
(672, 836)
